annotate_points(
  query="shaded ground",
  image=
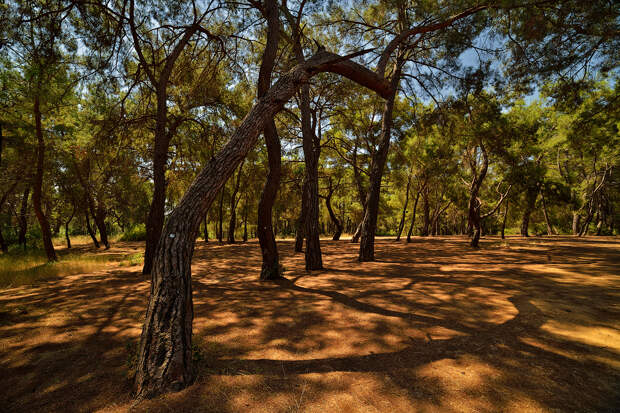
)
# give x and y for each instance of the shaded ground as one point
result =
(523, 325)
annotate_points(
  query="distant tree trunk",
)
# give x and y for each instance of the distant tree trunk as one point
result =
(504, 220)
(270, 268)
(576, 222)
(220, 220)
(245, 219)
(401, 226)
(530, 202)
(332, 215)
(23, 218)
(99, 217)
(426, 209)
(300, 223)
(544, 205)
(38, 186)
(67, 228)
(361, 194)
(232, 224)
(369, 223)
(89, 228)
(206, 228)
(415, 207)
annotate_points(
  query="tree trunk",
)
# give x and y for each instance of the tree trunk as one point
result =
(89, 228)
(544, 205)
(401, 226)
(530, 200)
(332, 215)
(415, 207)
(312, 151)
(504, 220)
(426, 209)
(23, 218)
(232, 224)
(369, 223)
(270, 268)
(300, 223)
(245, 219)
(38, 186)
(206, 228)
(165, 355)
(67, 228)
(576, 222)
(99, 217)
(220, 219)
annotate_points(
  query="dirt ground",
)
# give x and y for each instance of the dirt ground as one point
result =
(522, 325)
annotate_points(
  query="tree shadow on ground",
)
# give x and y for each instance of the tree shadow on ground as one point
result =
(431, 326)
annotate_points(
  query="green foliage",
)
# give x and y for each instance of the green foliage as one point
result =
(136, 232)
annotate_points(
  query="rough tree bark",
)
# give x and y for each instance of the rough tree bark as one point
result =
(165, 355)
(37, 185)
(270, 268)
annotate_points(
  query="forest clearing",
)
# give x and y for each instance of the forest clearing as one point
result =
(521, 325)
(309, 205)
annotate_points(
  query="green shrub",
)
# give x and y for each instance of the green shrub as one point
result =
(135, 233)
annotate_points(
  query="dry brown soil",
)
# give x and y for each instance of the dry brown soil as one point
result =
(526, 325)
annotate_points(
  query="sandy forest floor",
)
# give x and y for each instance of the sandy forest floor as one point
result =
(432, 326)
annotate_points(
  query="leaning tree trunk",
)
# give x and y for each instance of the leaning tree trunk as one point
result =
(165, 355)
(38, 186)
(415, 207)
(23, 218)
(369, 223)
(401, 226)
(89, 228)
(270, 268)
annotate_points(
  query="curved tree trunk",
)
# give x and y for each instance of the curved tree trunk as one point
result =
(165, 355)
(89, 228)
(270, 268)
(38, 186)
(332, 215)
(99, 216)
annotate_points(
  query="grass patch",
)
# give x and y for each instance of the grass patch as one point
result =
(132, 259)
(135, 233)
(30, 266)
